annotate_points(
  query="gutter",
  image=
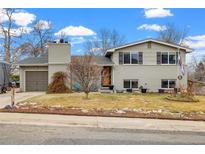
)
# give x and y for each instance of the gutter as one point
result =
(46, 64)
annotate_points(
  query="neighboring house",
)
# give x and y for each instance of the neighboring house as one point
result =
(150, 63)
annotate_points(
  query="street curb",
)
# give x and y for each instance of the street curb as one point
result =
(101, 122)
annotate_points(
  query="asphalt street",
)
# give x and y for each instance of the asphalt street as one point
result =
(13, 134)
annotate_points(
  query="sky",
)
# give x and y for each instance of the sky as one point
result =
(135, 24)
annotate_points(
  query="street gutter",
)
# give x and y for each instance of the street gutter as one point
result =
(101, 122)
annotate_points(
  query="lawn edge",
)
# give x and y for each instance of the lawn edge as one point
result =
(137, 115)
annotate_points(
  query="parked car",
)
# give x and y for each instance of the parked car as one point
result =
(4, 76)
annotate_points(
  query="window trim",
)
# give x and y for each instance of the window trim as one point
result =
(130, 53)
(130, 80)
(168, 83)
(168, 53)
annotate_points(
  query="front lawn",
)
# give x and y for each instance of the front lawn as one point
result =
(128, 101)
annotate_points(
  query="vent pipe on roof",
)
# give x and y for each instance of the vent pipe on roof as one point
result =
(61, 40)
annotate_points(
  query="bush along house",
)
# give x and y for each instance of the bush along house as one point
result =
(147, 64)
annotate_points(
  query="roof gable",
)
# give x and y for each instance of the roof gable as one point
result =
(149, 40)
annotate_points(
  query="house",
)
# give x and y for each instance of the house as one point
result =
(150, 63)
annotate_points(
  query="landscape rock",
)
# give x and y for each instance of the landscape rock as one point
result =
(126, 109)
(137, 110)
(32, 103)
(84, 111)
(56, 106)
(200, 112)
(177, 115)
(120, 111)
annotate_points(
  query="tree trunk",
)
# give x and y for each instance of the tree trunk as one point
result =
(86, 95)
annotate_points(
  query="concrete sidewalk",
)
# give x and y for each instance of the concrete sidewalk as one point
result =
(5, 99)
(101, 122)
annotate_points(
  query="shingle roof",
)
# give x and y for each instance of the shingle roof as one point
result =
(43, 60)
(100, 60)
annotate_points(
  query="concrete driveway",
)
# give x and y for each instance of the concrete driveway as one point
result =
(5, 99)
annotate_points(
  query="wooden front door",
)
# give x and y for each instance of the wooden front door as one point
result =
(106, 76)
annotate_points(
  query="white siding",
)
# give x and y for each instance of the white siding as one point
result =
(59, 56)
(149, 73)
(59, 53)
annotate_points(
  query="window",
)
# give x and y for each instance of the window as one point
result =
(126, 83)
(127, 58)
(129, 84)
(135, 58)
(165, 84)
(164, 57)
(171, 83)
(168, 83)
(134, 84)
(168, 58)
(131, 58)
(172, 58)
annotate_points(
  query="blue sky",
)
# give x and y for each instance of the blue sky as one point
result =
(127, 22)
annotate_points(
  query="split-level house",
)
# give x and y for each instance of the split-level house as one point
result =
(149, 63)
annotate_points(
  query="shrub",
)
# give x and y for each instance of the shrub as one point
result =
(58, 84)
(15, 78)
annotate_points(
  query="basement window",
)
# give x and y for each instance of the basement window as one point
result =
(130, 84)
(168, 83)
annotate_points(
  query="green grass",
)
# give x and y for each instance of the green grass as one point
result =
(148, 101)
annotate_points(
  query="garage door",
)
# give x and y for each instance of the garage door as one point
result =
(36, 80)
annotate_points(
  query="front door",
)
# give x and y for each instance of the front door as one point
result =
(106, 76)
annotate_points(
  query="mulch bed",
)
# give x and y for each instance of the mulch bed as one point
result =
(108, 113)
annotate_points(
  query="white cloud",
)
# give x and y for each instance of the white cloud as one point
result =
(43, 24)
(20, 17)
(3, 17)
(77, 40)
(197, 38)
(17, 31)
(75, 31)
(154, 27)
(23, 18)
(96, 49)
(22, 30)
(157, 13)
(198, 44)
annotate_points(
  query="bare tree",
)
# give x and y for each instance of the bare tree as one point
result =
(11, 34)
(199, 70)
(41, 33)
(173, 34)
(84, 70)
(105, 39)
(7, 32)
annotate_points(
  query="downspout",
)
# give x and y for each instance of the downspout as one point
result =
(178, 68)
